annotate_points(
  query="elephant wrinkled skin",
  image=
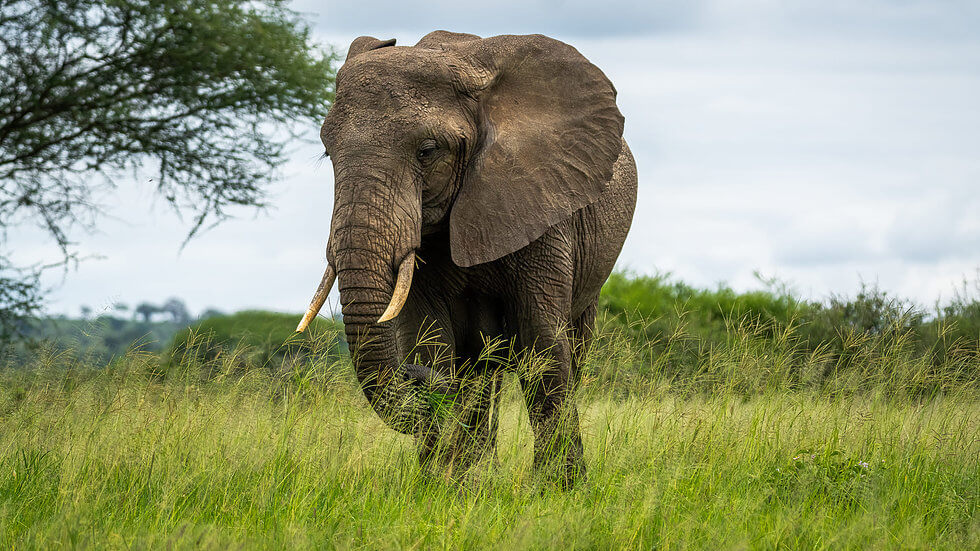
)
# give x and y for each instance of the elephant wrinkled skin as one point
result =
(483, 189)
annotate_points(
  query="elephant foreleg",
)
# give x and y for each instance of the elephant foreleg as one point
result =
(470, 430)
(424, 341)
(485, 419)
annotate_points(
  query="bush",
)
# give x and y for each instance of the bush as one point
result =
(253, 338)
(706, 338)
(661, 314)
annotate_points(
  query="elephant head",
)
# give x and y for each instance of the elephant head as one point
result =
(487, 141)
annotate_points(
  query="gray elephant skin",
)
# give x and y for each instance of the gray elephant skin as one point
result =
(482, 189)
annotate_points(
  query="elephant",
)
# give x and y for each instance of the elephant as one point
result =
(483, 189)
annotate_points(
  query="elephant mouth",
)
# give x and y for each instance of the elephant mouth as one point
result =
(429, 380)
(421, 396)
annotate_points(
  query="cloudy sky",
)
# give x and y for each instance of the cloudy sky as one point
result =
(825, 144)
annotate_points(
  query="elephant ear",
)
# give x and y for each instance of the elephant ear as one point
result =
(549, 134)
(438, 39)
(363, 44)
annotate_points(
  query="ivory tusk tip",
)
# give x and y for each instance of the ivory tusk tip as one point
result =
(402, 287)
(389, 314)
(329, 275)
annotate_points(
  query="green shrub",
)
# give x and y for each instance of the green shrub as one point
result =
(706, 338)
(253, 338)
(666, 315)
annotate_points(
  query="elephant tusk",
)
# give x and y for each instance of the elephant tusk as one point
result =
(318, 299)
(402, 286)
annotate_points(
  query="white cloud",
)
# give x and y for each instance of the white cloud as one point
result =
(567, 17)
(803, 157)
(825, 144)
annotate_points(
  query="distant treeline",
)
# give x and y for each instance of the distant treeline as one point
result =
(253, 339)
(650, 328)
(654, 305)
(173, 309)
(102, 336)
(678, 330)
(99, 338)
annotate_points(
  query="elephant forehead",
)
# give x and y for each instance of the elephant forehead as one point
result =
(395, 78)
(369, 125)
(381, 97)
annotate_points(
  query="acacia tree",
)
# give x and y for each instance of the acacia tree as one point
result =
(177, 310)
(203, 94)
(145, 310)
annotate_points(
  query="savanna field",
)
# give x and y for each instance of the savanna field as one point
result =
(164, 159)
(711, 420)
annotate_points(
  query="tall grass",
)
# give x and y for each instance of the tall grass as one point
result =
(762, 442)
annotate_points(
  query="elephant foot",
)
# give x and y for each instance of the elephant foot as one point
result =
(438, 455)
(453, 453)
(563, 473)
(571, 476)
(558, 453)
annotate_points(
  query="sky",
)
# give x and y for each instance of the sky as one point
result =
(824, 143)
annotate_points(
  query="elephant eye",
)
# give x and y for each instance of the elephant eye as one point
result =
(427, 150)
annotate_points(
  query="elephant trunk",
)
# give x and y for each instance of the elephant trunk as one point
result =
(374, 270)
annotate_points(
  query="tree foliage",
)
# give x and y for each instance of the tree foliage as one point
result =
(175, 308)
(202, 94)
(19, 296)
(145, 311)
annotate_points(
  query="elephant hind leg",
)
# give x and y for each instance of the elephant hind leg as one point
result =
(583, 331)
(548, 385)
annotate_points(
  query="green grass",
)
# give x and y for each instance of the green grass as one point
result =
(745, 451)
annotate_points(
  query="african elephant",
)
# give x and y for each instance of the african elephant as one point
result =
(482, 188)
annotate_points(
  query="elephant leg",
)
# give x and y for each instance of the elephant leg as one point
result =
(583, 331)
(464, 426)
(548, 388)
(543, 301)
(424, 339)
(482, 355)
(470, 432)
